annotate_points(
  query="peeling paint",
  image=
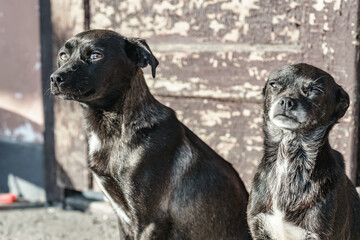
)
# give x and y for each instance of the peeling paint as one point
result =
(326, 49)
(326, 27)
(256, 56)
(171, 85)
(278, 18)
(232, 36)
(293, 35)
(211, 118)
(227, 144)
(259, 75)
(254, 148)
(319, 6)
(337, 5)
(294, 4)
(216, 26)
(242, 9)
(246, 112)
(312, 18)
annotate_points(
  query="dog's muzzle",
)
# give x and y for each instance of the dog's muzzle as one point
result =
(287, 113)
(62, 87)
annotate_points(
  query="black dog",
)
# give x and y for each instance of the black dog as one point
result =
(161, 179)
(300, 190)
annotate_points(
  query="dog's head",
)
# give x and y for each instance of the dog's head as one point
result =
(98, 63)
(303, 97)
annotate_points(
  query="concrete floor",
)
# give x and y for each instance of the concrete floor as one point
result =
(54, 223)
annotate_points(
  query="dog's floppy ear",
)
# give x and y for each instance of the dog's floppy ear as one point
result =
(140, 54)
(342, 102)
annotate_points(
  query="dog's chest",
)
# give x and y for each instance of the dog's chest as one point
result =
(274, 222)
(278, 228)
(286, 180)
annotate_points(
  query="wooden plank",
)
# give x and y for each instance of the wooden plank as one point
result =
(221, 75)
(70, 138)
(248, 21)
(53, 192)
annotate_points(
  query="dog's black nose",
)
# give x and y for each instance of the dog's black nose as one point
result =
(287, 103)
(56, 78)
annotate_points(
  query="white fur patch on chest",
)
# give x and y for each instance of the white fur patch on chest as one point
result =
(118, 209)
(94, 143)
(280, 229)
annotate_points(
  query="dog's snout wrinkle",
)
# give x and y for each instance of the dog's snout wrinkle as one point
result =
(287, 103)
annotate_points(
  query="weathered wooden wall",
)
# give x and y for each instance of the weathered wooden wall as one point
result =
(216, 55)
(68, 18)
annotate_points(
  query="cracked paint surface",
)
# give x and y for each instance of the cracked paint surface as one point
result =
(223, 21)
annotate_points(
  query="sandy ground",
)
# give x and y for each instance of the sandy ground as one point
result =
(53, 223)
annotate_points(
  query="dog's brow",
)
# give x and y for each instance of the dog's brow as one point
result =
(319, 78)
(70, 43)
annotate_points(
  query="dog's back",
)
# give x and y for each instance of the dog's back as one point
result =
(208, 199)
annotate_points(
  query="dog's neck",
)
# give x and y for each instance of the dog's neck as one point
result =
(295, 163)
(294, 146)
(135, 108)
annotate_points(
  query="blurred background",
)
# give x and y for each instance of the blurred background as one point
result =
(215, 56)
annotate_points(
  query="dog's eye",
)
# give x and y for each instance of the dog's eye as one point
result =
(313, 91)
(316, 91)
(63, 56)
(95, 56)
(274, 85)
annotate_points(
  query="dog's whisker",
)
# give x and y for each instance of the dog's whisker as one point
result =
(47, 92)
(320, 78)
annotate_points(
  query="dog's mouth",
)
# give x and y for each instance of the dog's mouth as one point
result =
(286, 121)
(73, 94)
(285, 117)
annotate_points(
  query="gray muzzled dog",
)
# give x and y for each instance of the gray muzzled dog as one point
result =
(161, 179)
(300, 190)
